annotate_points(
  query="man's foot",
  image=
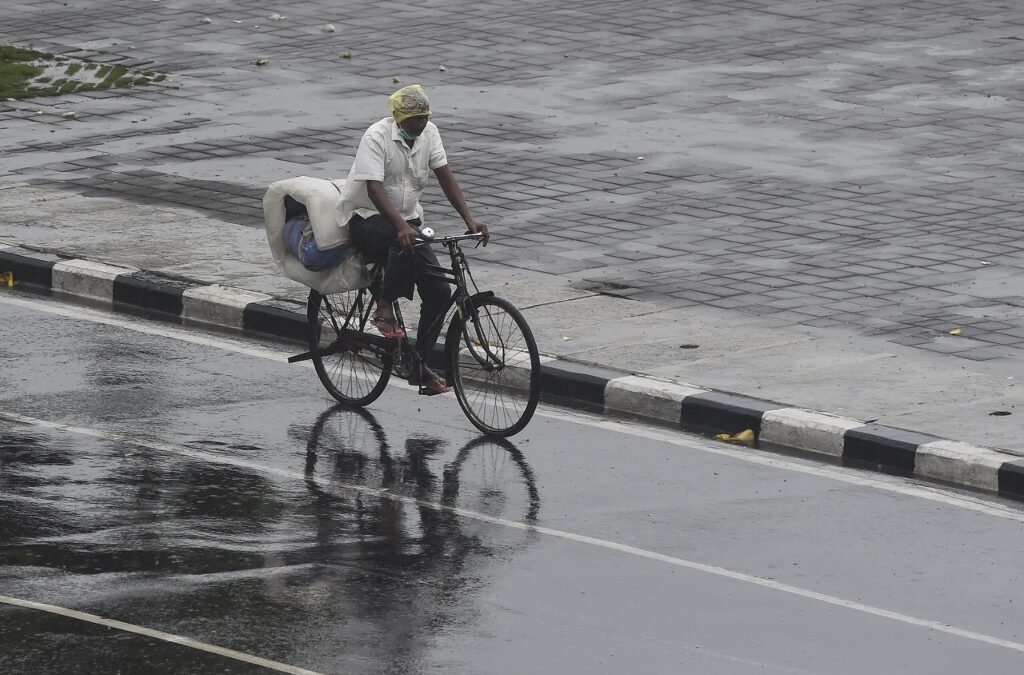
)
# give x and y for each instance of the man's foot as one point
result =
(429, 383)
(388, 326)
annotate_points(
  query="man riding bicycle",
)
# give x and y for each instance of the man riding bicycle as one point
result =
(381, 206)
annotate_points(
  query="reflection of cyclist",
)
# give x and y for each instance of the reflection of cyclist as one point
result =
(395, 560)
(359, 453)
(382, 208)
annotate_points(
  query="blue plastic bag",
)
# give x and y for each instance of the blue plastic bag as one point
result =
(298, 237)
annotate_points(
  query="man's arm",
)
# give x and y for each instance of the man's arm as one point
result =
(446, 179)
(406, 235)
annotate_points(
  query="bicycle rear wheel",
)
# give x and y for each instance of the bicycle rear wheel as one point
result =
(494, 366)
(352, 368)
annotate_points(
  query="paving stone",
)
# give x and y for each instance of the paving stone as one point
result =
(843, 191)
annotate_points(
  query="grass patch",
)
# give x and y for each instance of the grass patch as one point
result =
(12, 53)
(116, 74)
(27, 73)
(15, 75)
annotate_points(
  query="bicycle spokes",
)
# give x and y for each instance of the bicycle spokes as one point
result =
(495, 367)
(352, 366)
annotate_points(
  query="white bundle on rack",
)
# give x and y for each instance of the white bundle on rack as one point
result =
(320, 197)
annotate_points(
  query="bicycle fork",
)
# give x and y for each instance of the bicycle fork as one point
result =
(489, 361)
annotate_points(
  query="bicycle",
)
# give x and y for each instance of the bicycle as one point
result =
(489, 356)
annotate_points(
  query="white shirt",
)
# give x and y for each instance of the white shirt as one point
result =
(404, 171)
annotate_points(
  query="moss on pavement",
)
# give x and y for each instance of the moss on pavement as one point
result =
(26, 73)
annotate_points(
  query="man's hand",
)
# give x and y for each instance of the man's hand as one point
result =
(406, 238)
(476, 226)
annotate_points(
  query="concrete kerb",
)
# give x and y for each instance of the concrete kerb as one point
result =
(86, 280)
(960, 464)
(217, 306)
(590, 387)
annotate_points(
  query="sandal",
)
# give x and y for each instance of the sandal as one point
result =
(429, 383)
(387, 326)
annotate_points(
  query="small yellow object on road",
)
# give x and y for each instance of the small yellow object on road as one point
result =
(7, 278)
(955, 331)
(745, 436)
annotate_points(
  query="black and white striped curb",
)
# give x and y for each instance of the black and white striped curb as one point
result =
(775, 425)
(135, 291)
(590, 387)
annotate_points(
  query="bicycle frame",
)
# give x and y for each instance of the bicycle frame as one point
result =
(489, 353)
(457, 276)
(461, 300)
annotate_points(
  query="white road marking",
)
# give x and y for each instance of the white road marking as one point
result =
(155, 634)
(139, 325)
(746, 455)
(840, 474)
(850, 476)
(516, 525)
(174, 332)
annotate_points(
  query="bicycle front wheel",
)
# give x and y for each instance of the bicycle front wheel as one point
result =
(352, 368)
(494, 366)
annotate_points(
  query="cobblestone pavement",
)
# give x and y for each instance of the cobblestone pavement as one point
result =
(852, 165)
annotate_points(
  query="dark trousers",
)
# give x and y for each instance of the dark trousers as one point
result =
(375, 238)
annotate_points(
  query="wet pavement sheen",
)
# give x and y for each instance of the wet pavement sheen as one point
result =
(225, 550)
(223, 497)
(820, 200)
(822, 165)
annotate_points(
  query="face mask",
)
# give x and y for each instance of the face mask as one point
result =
(406, 136)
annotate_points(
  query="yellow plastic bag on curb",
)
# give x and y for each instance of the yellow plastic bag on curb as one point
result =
(745, 436)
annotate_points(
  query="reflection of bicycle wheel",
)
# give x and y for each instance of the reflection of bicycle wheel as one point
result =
(352, 370)
(487, 476)
(356, 442)
(490, 476)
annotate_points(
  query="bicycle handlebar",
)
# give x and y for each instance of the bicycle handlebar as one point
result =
(450, 239)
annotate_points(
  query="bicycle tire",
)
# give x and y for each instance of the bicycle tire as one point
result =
(353, 371)
(493, 363)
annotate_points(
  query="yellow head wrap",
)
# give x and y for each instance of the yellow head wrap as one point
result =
(409, 102)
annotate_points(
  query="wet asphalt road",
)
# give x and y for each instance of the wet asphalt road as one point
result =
(219, 495)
